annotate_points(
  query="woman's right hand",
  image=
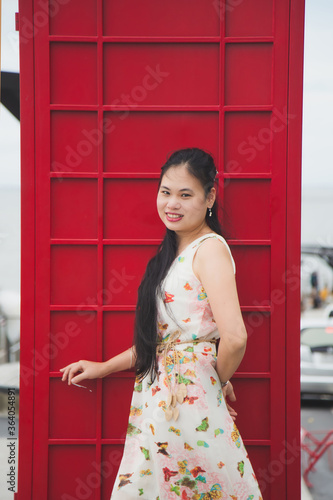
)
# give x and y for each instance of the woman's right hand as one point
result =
(228, 391)
(88, 369)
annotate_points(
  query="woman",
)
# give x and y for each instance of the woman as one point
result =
(182, 441)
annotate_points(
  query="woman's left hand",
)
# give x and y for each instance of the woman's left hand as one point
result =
(228, 391)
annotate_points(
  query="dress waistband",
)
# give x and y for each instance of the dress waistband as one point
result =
(180, 391)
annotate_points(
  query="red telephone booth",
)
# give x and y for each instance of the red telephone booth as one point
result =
(108, 89)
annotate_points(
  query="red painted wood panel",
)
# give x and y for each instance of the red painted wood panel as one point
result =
(108, 89)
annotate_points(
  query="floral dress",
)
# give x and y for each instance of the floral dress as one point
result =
(181, 441)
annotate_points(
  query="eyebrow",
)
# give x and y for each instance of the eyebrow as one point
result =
(184, 189)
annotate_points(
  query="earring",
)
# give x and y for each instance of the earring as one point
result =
(210, 212)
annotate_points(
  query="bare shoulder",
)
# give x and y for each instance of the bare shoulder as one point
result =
(212, 255)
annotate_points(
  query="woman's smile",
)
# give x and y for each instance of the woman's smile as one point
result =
(173, 217)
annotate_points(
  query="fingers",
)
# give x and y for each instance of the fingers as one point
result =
(77, 379)
(69, 373)
(65, 374)
(232, 412)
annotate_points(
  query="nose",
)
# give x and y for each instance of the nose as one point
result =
(173, 203)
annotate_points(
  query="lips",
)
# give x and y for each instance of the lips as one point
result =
(171, 216)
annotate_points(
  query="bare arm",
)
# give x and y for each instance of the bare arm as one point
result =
(123, 361)
(214, 269)
(94, 369)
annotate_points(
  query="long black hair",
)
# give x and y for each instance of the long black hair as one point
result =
(201, 165)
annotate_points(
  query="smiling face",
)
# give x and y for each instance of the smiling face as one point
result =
(181, 201)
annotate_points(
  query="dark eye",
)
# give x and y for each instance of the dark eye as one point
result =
(183, 194)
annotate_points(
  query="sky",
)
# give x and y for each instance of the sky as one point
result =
(317, 96)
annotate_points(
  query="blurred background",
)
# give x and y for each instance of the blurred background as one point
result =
(9, 186)
(316, 322)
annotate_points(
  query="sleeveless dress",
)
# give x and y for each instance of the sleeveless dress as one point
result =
(194, 451)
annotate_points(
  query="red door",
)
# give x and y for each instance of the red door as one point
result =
(108, 89)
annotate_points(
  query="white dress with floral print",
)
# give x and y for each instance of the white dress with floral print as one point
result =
(198, 454)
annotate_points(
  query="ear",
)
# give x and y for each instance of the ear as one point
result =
(212, 196)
